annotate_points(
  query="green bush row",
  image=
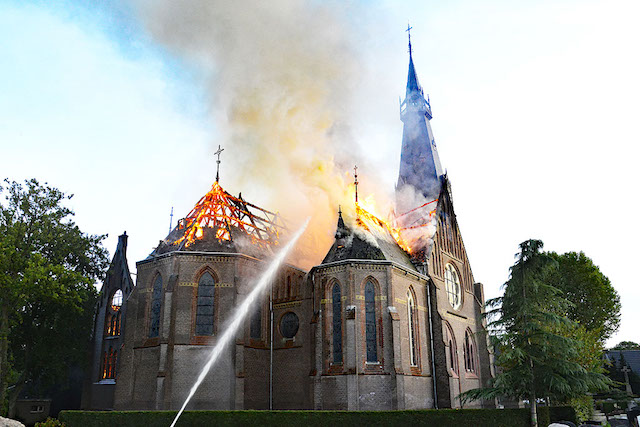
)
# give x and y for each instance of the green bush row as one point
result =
(434, 417)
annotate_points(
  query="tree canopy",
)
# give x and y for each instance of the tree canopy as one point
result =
(626, 345)
(48, 268)
(595, 304)
(536, 352)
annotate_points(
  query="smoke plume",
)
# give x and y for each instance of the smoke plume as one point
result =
(282, 79)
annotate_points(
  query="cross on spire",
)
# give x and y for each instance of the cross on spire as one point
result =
(217, 153)
(355, 175)
(408, 30)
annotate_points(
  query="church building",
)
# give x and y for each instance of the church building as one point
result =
(392, 317)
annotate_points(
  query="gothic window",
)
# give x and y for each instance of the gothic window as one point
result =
(256, 323)
(453, 350)
(469, 353)
(452, 286)
(109, 360)
(370, 322)
(204, 310)
(337, 324)
(156, 305)
(411, 317)
(113, 315)
(116, 300)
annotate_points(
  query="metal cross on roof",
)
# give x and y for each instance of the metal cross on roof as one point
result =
(408, 30)
(217, 153)
(355, 175)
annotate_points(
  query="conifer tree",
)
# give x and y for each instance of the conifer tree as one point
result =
(534, 359)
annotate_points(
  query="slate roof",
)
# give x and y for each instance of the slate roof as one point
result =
(632, 357)
(363, 244)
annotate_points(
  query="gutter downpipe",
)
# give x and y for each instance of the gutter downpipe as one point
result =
(271, 352)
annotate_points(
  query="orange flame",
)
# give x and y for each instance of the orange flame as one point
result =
(221, 211)
(366, 219)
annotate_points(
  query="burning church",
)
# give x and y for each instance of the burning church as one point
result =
(390, 319)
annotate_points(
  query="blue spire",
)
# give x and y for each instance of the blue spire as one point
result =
(412, 80)
(419, 162)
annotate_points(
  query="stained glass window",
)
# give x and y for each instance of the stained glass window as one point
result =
(156, 305)
(370, 322)
(204, 311)
(337, 324)
(411, 318)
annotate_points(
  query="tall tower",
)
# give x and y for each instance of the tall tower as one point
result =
(419, 162)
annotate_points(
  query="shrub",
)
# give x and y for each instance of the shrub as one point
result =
(50, 422)
(440, 417)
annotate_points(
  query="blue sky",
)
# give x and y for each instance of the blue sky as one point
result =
(535, 105)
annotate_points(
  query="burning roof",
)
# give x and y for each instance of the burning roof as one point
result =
(220, 222)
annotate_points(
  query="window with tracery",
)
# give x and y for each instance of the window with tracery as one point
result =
(370, 322)
(452, 286)
(113, 315)
(156, 305)
(337, 324)
(411, 317)
(109, 360)
(469, 353)
(205, 307)
(116, 300)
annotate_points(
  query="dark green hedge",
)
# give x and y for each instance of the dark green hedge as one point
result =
(440, 418)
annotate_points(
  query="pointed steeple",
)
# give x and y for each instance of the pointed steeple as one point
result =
(419, 162)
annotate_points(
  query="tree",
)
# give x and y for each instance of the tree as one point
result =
(536, 356)
(627, 345)
(595, 304)
(47, 271)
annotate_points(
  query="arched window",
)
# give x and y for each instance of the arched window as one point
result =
(469, 353)
(109, 364)
(453, 350)
(288, 287)
(116, 300)
(337, 324)
(370, 322)
(156, 305)
(204, 311)
(256, 323)
(411, 317)
(113, 315)
(452, 285)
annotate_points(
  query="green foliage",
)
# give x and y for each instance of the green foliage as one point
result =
(595, 304)
(50, 422)
(627, 345)
(47, 271)
(436, 417)
(583, 407)
(536, 351)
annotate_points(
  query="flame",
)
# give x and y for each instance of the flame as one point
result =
(405, 237)
(221, 211)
